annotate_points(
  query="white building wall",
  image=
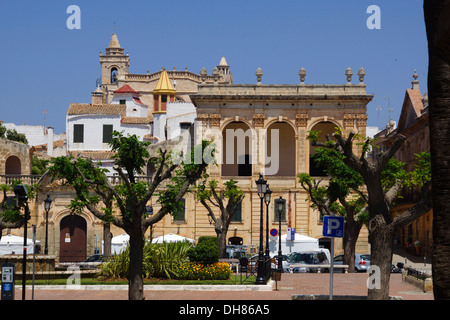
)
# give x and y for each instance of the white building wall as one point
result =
(179, 112)
(93, 131)
(133, 109)
(36, 135)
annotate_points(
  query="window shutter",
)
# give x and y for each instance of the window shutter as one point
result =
(78, 133)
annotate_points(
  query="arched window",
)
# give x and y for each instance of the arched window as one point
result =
(280, 150)
(325, 128)
(13, 165)
(114, 74)
(237, 149)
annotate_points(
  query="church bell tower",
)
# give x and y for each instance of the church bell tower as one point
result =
(113, 63)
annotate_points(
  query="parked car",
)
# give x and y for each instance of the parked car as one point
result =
(93, 261)
(362, 261)
(274, 264)
(286, 267)
(313, 257)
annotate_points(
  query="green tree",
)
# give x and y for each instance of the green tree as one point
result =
(227, 201)
(130, 197)
(382, 225)
(11, 215)
(344, 193)
(13, 135)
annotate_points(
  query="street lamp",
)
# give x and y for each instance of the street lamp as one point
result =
(267, 201)
(261, 186)
(22, 195)
(279, 204)
(47, 205)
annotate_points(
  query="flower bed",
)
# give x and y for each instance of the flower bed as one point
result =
(200, 271)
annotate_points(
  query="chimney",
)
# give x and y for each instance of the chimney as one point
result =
(415, 82)
(97, 96)
(50, 138)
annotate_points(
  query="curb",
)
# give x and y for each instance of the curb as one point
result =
(200, 287)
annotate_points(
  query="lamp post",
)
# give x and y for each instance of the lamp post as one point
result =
(22, 196)
(267, 196)
(47, 205)
(280, 206)
(261, 186)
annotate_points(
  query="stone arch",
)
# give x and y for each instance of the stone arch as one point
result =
(280, 149)
(325, 128)
(13, 165)
(237, 148)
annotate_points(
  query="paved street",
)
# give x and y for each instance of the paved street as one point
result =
(344, 284)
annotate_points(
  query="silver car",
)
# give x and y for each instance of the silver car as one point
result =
(362, 261)
(308, 258)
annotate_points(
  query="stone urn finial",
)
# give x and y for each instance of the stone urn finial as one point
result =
(349, 74)
(203, 74)
(302, 74)
(361, 74)
(216, 74)
(259, 75)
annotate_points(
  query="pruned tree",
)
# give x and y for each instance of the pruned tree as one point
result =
(382, 225)
(130, 197)
(222, 205)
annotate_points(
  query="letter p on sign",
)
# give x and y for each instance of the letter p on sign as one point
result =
(333, 226)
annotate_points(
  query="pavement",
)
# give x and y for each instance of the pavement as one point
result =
(290, 284)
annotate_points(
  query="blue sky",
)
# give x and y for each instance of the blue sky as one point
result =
(44, 65)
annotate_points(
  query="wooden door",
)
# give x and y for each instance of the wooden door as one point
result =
(72, 239)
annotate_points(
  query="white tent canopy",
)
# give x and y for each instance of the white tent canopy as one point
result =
(300, 243)
(119, 243)
(171, 237)
(10, 244)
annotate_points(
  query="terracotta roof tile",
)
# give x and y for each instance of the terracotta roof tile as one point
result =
(94, 155)
(87, 108)
(136, 120)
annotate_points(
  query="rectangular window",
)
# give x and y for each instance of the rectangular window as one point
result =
(122, 101)
(277, 214)
(78, 133)
(180, 215)
(238, 214)
(107, 133)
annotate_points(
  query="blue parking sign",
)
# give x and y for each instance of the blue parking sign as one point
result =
(333, 226)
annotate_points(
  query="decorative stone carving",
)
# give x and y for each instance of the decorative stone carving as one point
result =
(361, 120)
(216, 75)
(361, 74)
(258, 120)
(203, 118)
(301, 120)
(302, 74)
(259, 75)
(214, 120)
(349, 120)
(203, 74)
(349, 74)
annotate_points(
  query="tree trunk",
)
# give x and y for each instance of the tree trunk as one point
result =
(135, 281)
(351, 233)
(382, 246)
(437, 17)
(107, 239)
(222, 244)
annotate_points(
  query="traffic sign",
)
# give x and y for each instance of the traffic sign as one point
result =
(290, 234)
(333, 226)
(273, 232)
